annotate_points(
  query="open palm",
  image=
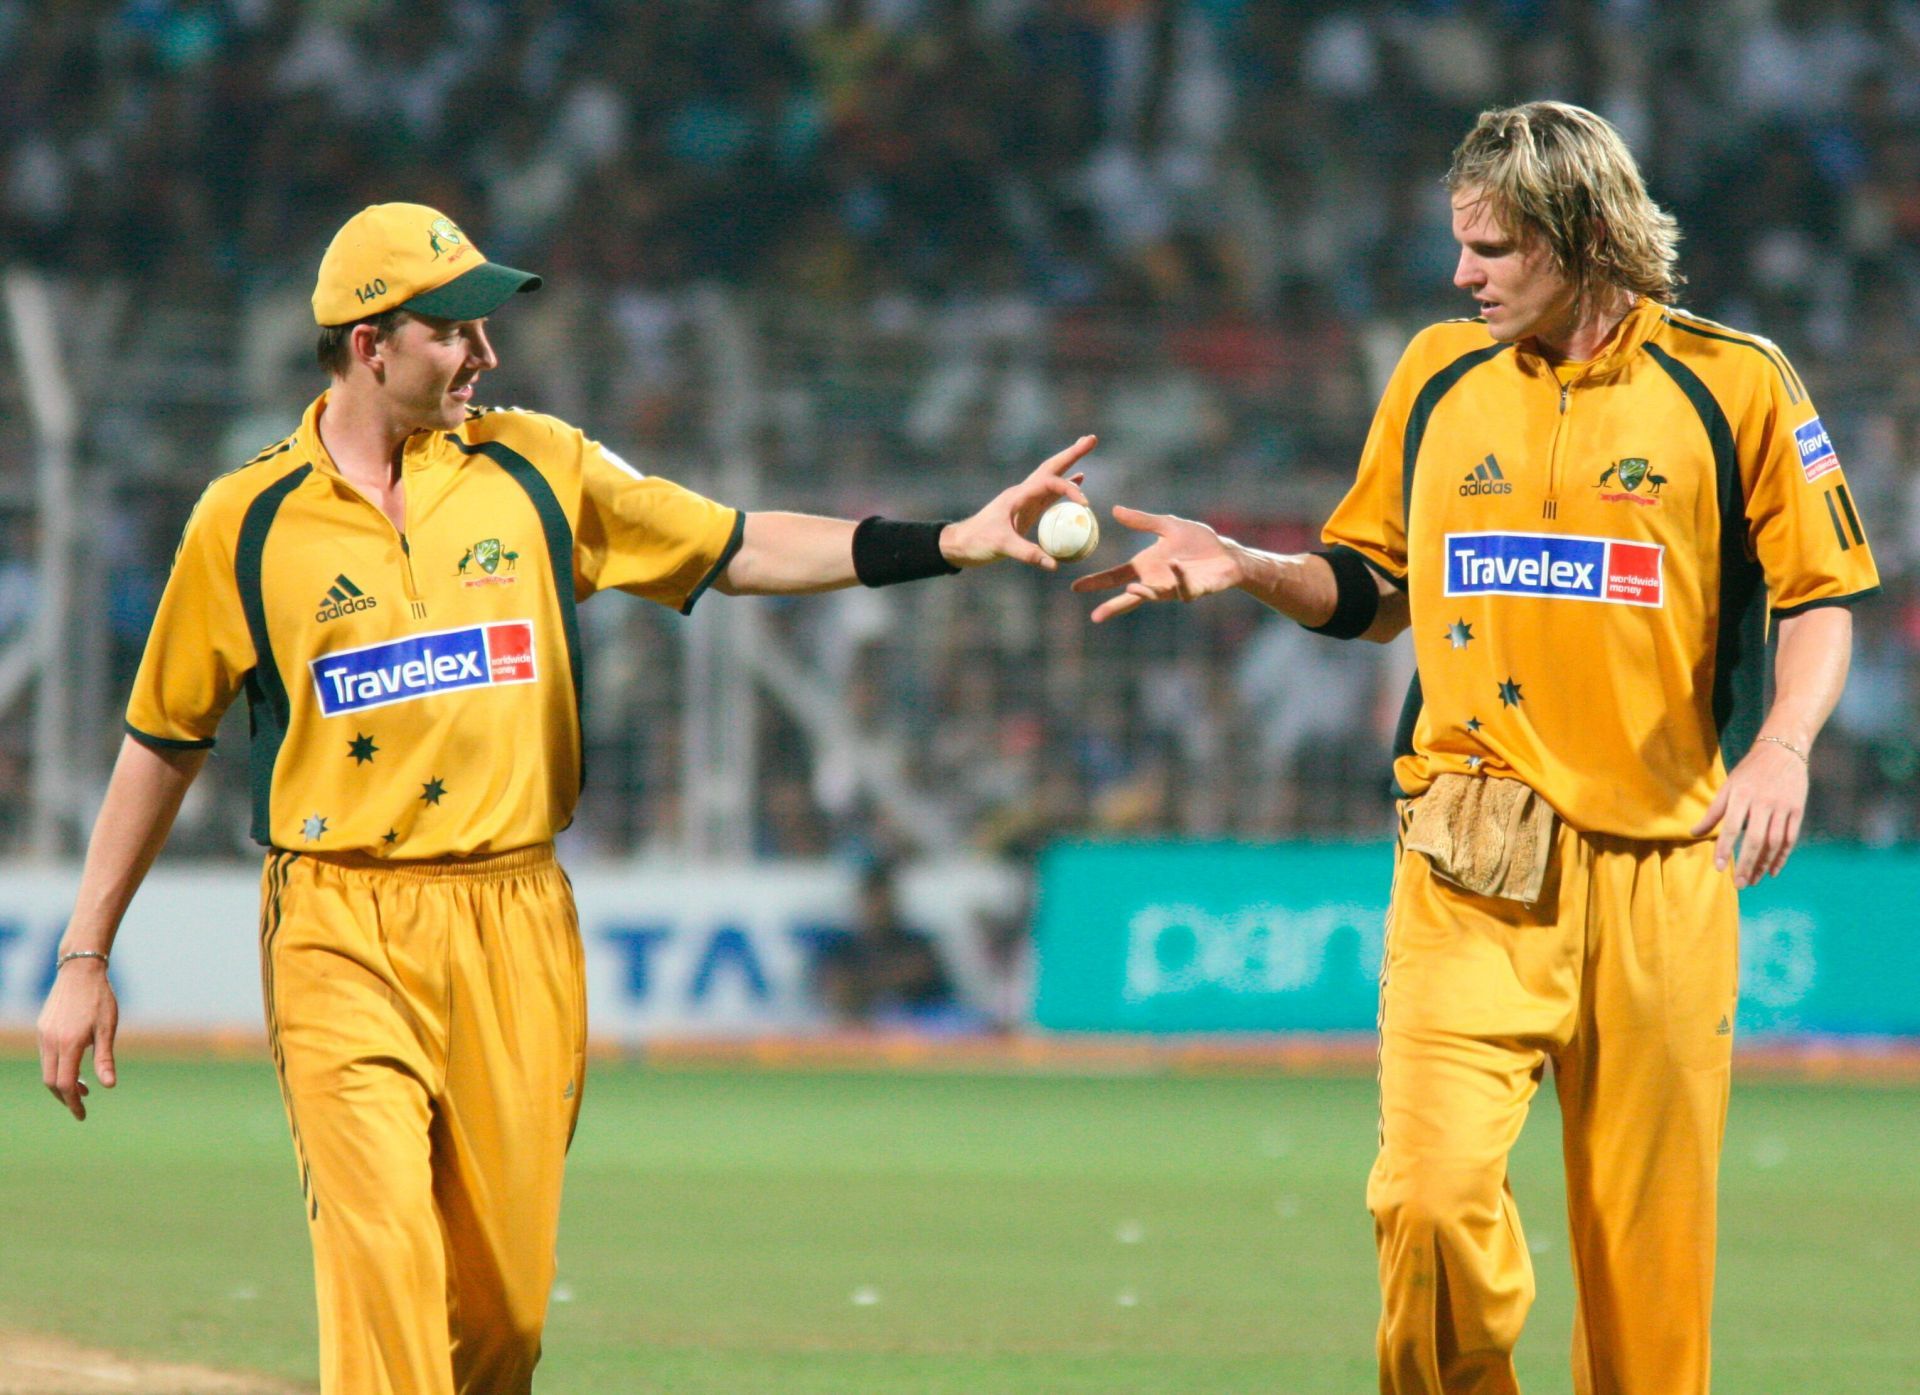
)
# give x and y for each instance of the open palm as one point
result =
(1187, 560)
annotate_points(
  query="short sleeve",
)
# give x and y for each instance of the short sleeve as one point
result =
(199, 650)
(1372, 519)
(646, 535)
(1802, 518)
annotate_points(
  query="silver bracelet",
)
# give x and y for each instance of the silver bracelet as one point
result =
(73, 954)
(1782, 741)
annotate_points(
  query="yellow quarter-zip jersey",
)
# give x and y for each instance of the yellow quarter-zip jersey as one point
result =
(1590, 557)
(413, 694)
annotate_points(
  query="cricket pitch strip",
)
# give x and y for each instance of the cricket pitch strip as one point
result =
(39, 1365)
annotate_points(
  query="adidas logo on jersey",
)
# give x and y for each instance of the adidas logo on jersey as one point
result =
(1485, 478)
(342, 598)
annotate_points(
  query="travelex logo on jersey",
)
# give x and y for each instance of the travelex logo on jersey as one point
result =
(1816, 450)
(479, 656)
(1555, 565)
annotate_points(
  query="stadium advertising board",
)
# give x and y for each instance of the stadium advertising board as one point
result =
(671, 951)
(1217, 937)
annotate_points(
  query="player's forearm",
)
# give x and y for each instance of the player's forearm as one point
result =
(790, 554)
(1809, 671)
(142, 799)
(1302, 587)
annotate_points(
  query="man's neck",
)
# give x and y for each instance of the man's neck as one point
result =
(1588, 331)
(362, 437)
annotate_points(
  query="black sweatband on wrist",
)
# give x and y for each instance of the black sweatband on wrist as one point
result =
(1356, 595)
(886, 552)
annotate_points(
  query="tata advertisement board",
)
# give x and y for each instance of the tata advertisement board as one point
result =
(680, 950)
(1225, 937)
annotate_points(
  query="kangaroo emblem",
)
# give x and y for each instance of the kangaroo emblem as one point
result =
(443, 235)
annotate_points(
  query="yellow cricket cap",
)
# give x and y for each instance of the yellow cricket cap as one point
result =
(393, 256)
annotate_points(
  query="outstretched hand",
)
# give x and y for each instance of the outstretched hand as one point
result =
(1000, 529)
(1758, 811)
(1187, 560)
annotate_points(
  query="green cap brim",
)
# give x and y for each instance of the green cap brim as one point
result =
(472, 295)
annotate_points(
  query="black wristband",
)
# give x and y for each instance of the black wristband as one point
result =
(886, 552)
(1356, 595)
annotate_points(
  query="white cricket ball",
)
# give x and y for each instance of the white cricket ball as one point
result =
(1067, 531)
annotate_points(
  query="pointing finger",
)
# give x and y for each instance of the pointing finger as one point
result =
(1139, 520)
(1061, 463)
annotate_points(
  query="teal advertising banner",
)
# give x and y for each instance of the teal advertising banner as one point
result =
(1242, 937)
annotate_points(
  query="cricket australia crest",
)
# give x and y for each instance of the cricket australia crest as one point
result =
(484, 563)
(1630, 473)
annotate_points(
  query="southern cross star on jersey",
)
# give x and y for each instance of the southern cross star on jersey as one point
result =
(432, 790)
(1510, 694)
(1460, 633)
(314, 827)
(361, 748)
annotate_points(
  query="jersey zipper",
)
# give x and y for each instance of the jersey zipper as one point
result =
(416, 604)
(1556, 450)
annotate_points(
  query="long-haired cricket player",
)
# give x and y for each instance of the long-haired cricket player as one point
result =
(393, 586)
(1588, 505)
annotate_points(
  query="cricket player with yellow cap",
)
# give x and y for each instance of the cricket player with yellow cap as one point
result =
(393, 586)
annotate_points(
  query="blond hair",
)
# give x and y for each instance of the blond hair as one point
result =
(1560, 173)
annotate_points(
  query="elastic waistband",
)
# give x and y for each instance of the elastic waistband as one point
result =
(480, 867)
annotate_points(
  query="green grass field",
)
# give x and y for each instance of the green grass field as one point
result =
(732, 1232)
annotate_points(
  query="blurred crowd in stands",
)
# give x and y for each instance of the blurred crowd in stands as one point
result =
(957, 233)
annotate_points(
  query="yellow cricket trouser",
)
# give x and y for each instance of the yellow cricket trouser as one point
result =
(1624, 978)
(429, 1026)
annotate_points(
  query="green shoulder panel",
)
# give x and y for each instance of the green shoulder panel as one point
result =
(267, 704)
(1703, 344)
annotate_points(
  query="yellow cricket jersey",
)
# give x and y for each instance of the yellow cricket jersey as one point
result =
(413, 695)
(1590, 563)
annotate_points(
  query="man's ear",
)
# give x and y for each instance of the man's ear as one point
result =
(365, 347)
